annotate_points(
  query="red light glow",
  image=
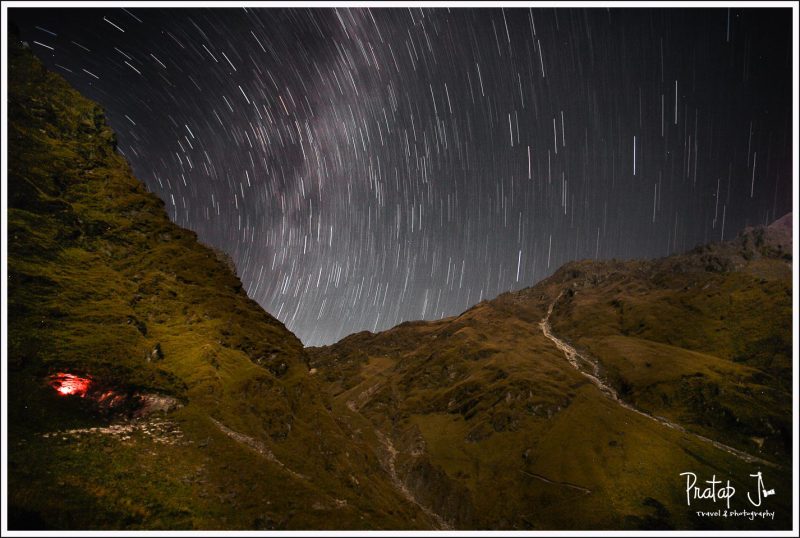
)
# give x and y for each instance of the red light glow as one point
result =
(70, 385)
(110, 398)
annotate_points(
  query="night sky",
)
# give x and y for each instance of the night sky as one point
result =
(365, 167)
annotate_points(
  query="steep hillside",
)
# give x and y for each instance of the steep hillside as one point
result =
(590, 392)
(145, 389)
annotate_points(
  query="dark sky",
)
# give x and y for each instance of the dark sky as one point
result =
(367, 167)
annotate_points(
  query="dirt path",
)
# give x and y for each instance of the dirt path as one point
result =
(576, 359)
(391, 453)
(564, 484)
(257, 446)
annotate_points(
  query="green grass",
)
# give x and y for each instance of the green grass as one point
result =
(489, 416)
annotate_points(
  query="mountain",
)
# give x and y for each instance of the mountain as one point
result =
(146, 390)
(590, 392)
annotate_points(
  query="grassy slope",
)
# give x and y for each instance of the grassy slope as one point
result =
(708, 348)
(98, 277)
(495, 429)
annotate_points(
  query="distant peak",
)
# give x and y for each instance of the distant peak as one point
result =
(783, 223)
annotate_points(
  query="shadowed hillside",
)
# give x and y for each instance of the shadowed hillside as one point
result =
(146, 389)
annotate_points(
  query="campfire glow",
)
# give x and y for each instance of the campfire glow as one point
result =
(110, 398)
(70, 384)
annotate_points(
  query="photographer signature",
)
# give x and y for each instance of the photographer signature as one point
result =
(715, 490)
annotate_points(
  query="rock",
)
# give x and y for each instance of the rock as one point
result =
(150, 403)
(156, 354)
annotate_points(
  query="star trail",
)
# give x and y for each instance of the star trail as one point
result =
(368, 166)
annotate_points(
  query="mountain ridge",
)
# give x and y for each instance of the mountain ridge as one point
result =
(729, 254)
(724, 385)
